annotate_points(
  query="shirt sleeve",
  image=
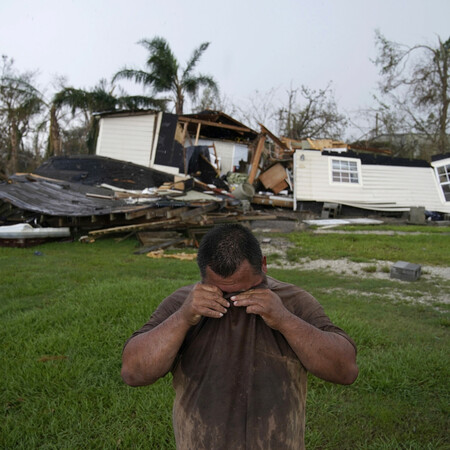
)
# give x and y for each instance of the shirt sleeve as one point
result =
(166, 308)
(304, 305)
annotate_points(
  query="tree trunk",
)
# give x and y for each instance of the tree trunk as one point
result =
(14, 139)
(54, 144)
(443, 138)
(179, 101)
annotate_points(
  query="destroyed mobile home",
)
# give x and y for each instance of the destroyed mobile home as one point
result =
(90, 204)
(158, 171)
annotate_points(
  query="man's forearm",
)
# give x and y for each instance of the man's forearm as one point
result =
(150, 355)
(327, 355)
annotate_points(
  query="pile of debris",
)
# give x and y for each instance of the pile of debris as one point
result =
(101, 196)
(94, 195)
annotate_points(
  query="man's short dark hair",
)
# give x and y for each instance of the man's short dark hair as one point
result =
(225, 247)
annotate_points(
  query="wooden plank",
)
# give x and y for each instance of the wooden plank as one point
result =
(239, 218)
(139, 212)
(256, 159)
(183, 136)
(209, 162)
(147, 238)
(274, 138)
(156, 224)
(175, 212)
(277, 188)
(215, 156)
(274, 176)
(273, 201)
(199, 125)
(199, 211)
(106, 197)
(215, 124)
(160, 245)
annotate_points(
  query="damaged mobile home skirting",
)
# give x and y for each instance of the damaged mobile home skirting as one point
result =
(380, 187)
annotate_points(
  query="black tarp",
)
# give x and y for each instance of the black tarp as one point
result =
(169, 152)
(96, 170)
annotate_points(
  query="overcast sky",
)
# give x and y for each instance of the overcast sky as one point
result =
(255, 44)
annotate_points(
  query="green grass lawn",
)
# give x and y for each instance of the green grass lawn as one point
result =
(65, 315)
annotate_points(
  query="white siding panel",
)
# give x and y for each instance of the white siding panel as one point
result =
(383, 187)
(225, 153)
(127, 138)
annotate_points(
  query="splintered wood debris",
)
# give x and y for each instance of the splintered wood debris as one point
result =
(182, 256)
(177, 206)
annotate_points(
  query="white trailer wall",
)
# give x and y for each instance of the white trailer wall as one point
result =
(132, 138)
(380, 187)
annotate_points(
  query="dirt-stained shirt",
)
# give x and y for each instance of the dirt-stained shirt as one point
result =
(238, 383)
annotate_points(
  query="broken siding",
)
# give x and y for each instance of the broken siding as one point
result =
(129, 139)
(225, 153)
(311, 176)
(401, 187)
(380, 187)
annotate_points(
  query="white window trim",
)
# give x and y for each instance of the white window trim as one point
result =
(441, 191)
(340, 183)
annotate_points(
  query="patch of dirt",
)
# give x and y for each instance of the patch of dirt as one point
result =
(277, 247)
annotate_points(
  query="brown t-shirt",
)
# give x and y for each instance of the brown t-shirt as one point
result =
(238, 383)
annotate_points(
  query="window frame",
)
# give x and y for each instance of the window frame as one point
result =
(446, 167)
(341, 160)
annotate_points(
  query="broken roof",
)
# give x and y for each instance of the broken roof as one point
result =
(217, 125)
(60, 198)
(96, 170)
(213, 124)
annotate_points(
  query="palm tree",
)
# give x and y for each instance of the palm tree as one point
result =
(165, 74)
(88, 102)
(20, 104)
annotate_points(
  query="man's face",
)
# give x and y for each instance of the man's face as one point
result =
(242, 280)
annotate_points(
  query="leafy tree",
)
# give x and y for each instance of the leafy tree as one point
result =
(165, 75)
(315, 115)
(259, 108)
(20, 104)
(86, 103)
(415, 83)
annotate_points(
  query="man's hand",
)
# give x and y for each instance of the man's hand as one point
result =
(265, 303)
(204, 300)
(325, 354)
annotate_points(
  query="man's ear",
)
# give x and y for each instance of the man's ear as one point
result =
(264, 264)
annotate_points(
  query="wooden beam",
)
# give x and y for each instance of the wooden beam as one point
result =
(185, 125)
(215, 124)
(215, 156)
(209, 162)
(274, 138)
(139, 212)
(159, 246)
(199, 125)
(156, 224)
(175, 212)
(199, 211)
(256, 158)
(106, 197)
